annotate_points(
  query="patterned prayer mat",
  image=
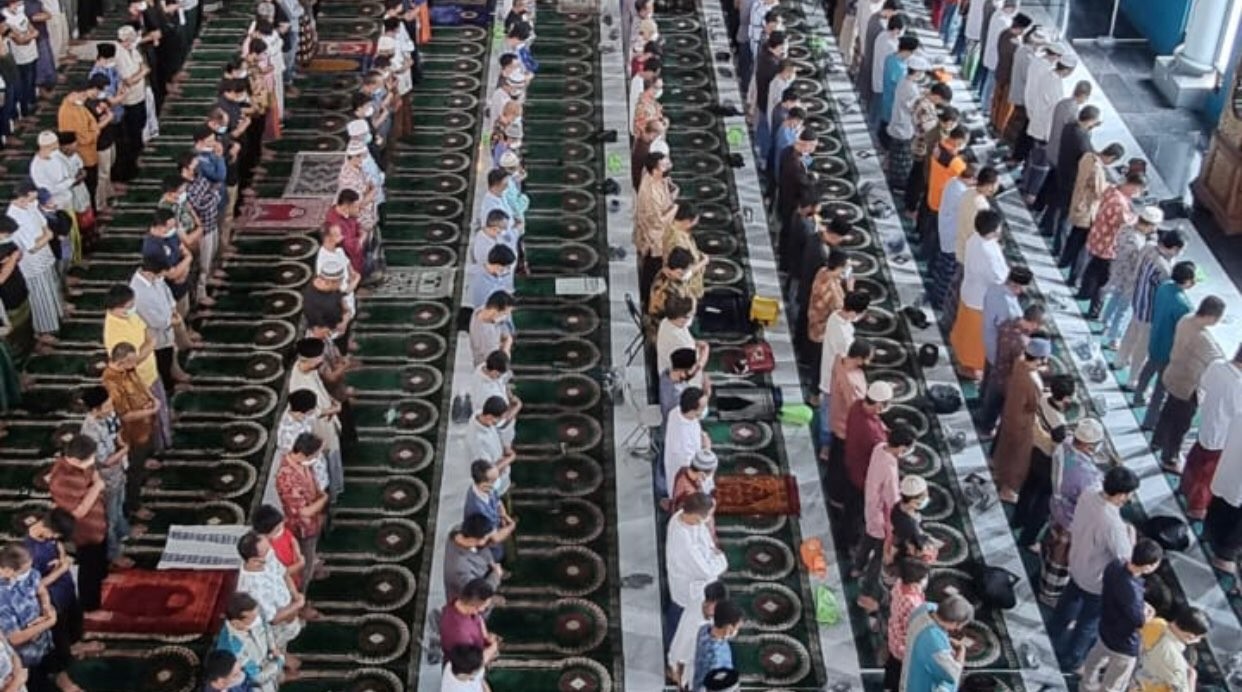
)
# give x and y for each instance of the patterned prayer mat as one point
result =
(758, 495)
(285, 214)
(417, 283)
(335, 49)
(337, 65)
(315, 174)
(202, 548)
(168, 603)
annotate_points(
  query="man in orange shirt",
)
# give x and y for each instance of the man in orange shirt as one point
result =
(946, 164)
(74, 116)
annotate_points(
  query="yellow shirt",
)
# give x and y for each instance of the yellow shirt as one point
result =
(131, 330)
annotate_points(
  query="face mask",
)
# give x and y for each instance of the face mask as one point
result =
(220, 129)
(687, 275)
(142, 7)
(181, 198)
(310, 462)
(242, 74)
(368, 111)
(21, 576)
(170, 232)
(922, 505)
(659, 92)
(130, 312)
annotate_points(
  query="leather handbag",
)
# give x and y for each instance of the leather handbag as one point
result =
(759, 357)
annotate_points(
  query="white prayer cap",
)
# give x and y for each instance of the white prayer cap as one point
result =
(1153, 215)
(880, 392)
(332, 268)
(704, 460)
(913, 486)
(385, 43)
(1070, 61)
(126, 33)
(509, 160)
(355, 148)
(1057, 48)
(1039, 36)
(659, 146)
(357, 128)
(1089, 431)
(47, 138)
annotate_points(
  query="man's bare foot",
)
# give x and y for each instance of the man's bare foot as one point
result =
(868, 604)
(207, 301)
(292, 663)
(311, 614)
(65, 684)
(48, 339)
(123, 562)
(144, 514)
(152, 465)
(86, 649)
(137, 530)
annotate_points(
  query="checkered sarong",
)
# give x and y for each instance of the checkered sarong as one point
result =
(949, 306)
(1054, 575)
(900, 159)
(944, 266)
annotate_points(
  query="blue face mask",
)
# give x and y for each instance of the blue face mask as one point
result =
(806, 160)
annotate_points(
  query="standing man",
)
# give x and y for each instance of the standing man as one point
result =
(881, 494)
(1001, 303)
(38, 263)
(1193, 350)
(1011, 457)
(1220, 402)
(935, 659)
(1098, 536)
(1123, 613)
(303, 501)
(1068, 142)
(76, 487)
(692, 559)
(1116, 212)
(984, 266)
(1170, 305)
(1154, 266)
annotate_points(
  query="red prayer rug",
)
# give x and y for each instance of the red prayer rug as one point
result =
(285, 214)
(337, 49)
(166, 602)
(760, 494)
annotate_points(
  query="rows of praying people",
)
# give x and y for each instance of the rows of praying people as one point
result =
(51, 225)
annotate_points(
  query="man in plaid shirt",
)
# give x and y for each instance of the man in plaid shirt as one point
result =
(926, 119)
(203, 196)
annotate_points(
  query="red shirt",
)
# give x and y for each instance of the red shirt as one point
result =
(863, 431)
(351, 236)
(457, 629)
(282, 545)
(296, 486)
(1115, 213)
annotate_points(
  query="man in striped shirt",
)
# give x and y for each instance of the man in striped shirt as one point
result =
(1154, 266)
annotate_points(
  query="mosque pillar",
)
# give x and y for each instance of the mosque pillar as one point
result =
(1187, 76)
